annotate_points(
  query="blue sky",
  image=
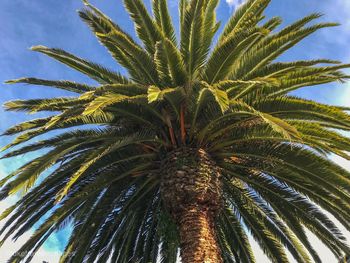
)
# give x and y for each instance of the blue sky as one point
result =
(55, 23)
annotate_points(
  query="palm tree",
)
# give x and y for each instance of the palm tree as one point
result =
(198, 146)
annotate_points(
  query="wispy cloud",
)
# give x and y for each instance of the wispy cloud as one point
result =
(10, 247)
(235, 3)
(339, 11)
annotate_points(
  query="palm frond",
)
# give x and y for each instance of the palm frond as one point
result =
(145, 26)
(94, 71)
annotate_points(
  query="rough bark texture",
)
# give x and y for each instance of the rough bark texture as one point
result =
(191, 190)
(198, 237)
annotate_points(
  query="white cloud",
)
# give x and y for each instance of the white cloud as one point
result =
(10, 247)
(235, 3)
(344, 99)
(341, 161)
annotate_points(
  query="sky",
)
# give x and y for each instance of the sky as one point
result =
(55, 23)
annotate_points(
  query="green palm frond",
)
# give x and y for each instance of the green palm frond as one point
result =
(145, 26)
(63, 84)
(163, 19)
(170, 62)
(92, 70)
(236, 236)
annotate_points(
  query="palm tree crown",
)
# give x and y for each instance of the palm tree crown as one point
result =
(195, 124)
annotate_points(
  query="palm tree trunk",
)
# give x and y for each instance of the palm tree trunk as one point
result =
(191, 191)
(198, 237)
